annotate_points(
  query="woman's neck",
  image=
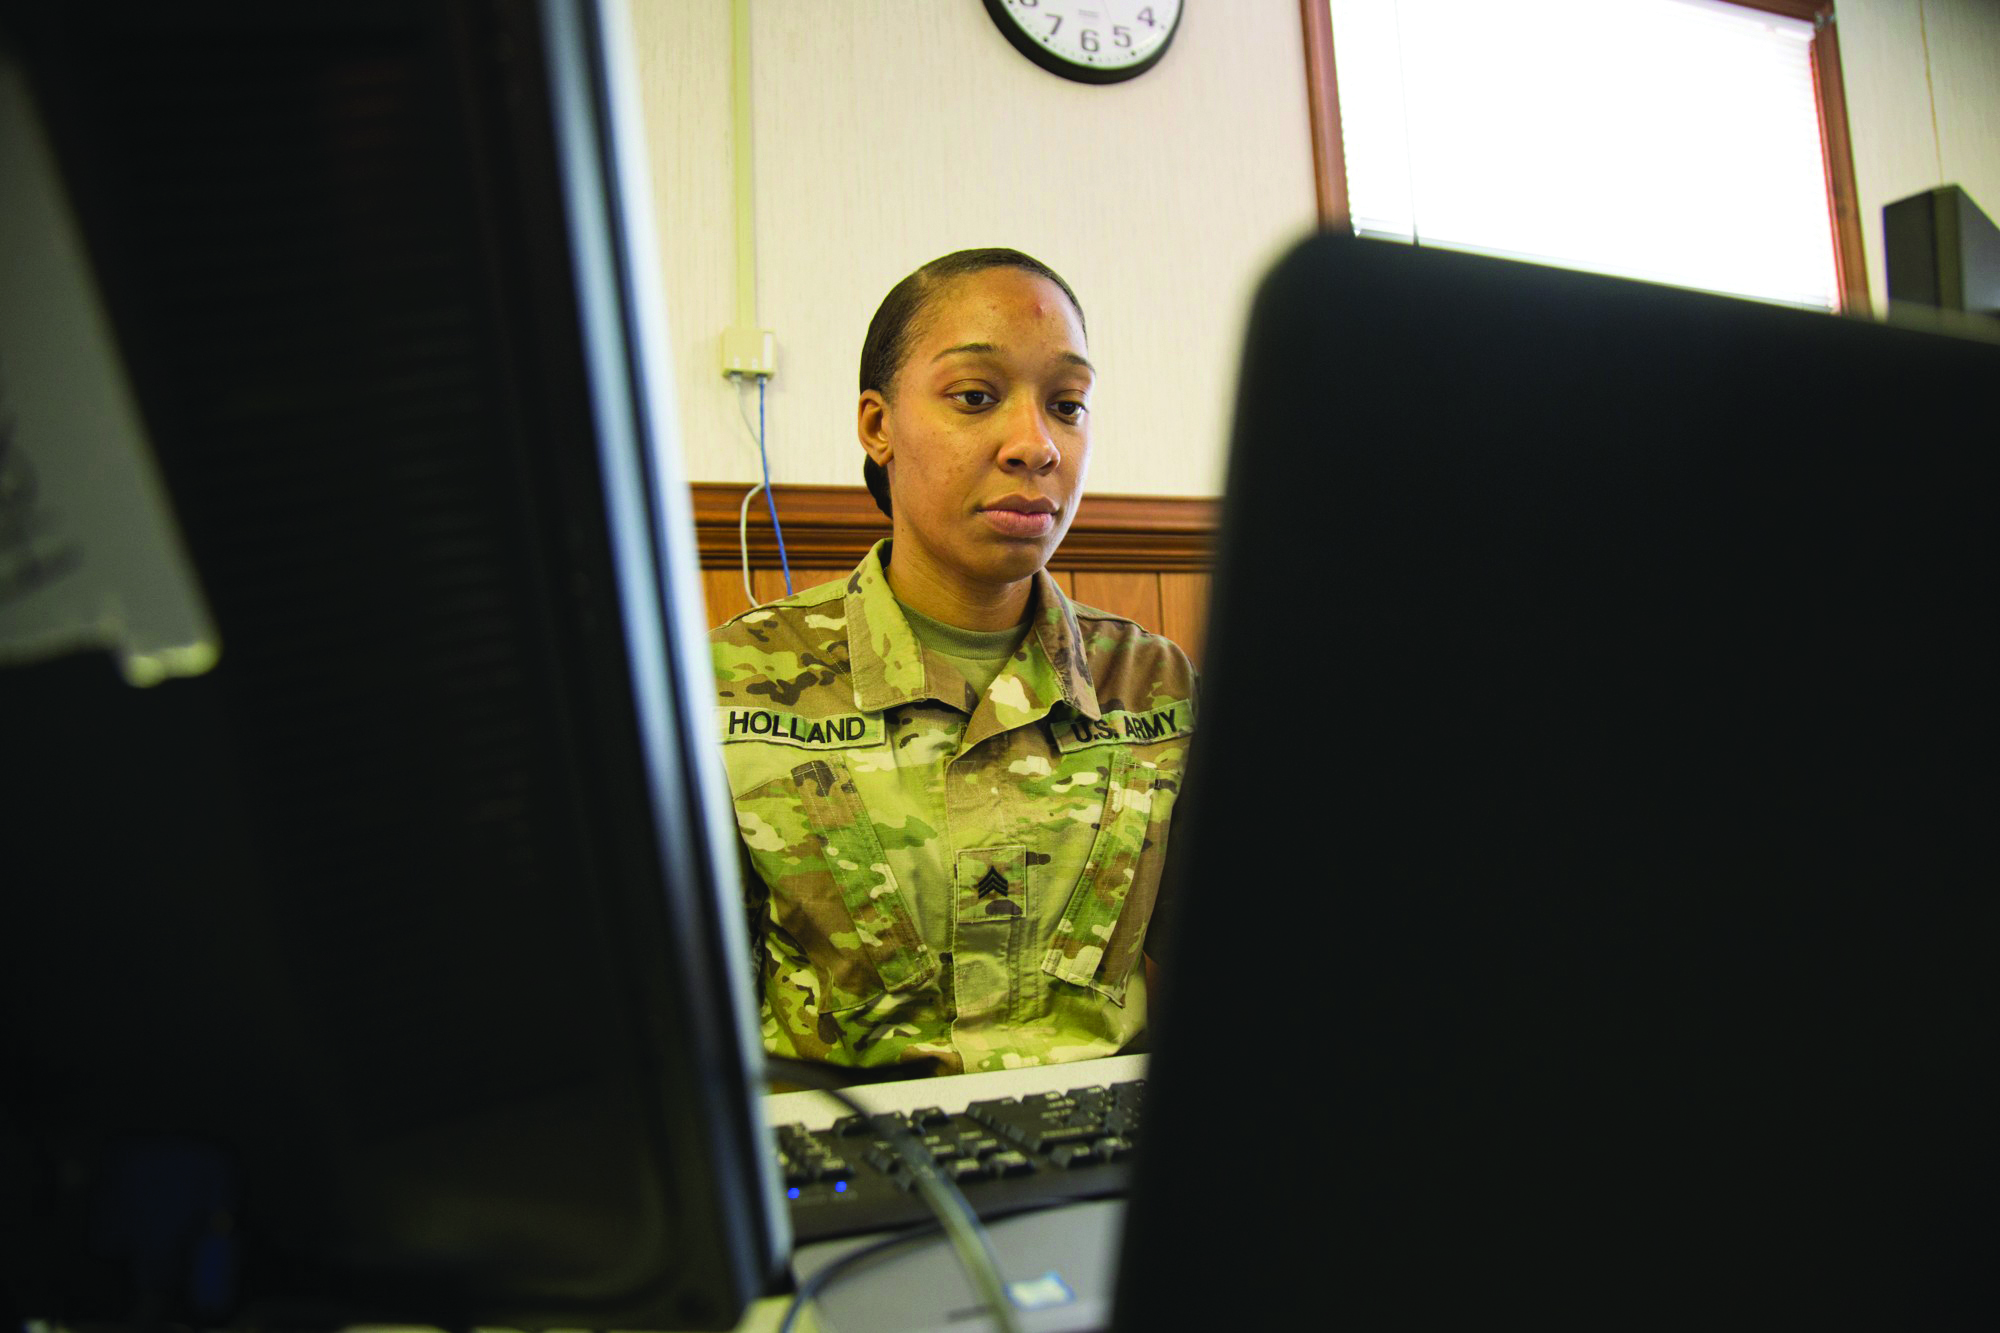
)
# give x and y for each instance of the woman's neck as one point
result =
(977, 608)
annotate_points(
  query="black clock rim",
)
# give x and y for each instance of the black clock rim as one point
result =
(1055, 64)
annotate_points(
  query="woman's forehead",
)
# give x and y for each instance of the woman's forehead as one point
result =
(995, 308)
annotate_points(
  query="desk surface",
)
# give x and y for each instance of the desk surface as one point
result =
(816, 1110)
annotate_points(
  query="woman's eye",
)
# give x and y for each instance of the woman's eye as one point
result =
(1068, 409)
(974, 397)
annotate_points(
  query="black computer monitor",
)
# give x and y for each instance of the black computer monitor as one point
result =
(392, 970)
(1583, 892)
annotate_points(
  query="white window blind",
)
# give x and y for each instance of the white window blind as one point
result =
(1672, 140)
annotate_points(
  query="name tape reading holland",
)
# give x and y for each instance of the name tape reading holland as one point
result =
(848, 730)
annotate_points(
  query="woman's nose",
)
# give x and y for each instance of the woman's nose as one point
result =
(1029, 446)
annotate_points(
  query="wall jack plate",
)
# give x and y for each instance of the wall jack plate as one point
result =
(752, 352)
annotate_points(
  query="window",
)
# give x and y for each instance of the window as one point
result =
(1697, 142)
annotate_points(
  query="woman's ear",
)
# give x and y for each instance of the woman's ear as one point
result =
(872, 425)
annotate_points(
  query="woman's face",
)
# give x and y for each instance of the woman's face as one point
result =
(985, 434)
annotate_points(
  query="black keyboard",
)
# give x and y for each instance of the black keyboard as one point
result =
(1007, 1155)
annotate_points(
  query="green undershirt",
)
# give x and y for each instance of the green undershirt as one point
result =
(980, 655)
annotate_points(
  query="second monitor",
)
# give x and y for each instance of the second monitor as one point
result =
(1586, 877)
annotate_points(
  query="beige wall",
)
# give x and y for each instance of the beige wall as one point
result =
(891, 131)
(1887, 50)
(888, 132)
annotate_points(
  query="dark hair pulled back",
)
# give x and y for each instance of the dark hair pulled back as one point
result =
(889, 333)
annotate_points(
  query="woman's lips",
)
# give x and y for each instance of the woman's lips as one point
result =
(1015, 523)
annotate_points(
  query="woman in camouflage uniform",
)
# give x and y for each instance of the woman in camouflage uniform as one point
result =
(954, 784)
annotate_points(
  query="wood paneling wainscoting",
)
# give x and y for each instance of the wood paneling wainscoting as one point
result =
(1147, 557)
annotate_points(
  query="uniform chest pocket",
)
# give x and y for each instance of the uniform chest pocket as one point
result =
(832, 891)
(1098, 941)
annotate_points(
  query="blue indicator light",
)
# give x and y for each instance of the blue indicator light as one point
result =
(792, 1193)
(840, 1187)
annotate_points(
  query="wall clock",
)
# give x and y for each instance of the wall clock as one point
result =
(1091, 41)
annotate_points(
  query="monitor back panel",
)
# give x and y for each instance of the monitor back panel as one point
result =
(1593, 806)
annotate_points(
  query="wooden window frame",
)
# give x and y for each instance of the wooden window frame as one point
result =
(1844, 201)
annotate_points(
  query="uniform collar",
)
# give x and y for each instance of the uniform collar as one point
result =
(887, 663)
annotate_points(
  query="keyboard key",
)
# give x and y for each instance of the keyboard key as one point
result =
(1072, 1155)
(994, 1113)
(1011, 1163)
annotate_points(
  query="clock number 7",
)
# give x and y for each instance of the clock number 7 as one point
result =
(1056, 20)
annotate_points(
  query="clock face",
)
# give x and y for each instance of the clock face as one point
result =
(1092, 41)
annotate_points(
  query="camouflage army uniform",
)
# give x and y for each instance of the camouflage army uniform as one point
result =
(945, 880)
